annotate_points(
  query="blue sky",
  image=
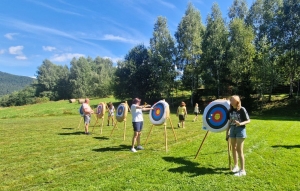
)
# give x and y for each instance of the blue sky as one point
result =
(34, 30)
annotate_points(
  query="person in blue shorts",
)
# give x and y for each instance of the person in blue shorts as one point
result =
(236, 132)
(137, 122)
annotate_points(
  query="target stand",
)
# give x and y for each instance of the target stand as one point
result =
(100, 113)
(121, 115)
(215, 119)
(158, 116)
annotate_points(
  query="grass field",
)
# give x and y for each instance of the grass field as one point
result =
(42, 149)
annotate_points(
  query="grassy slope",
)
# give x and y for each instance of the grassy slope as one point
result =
(42, 149)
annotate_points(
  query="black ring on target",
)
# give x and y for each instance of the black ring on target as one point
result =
(158, 112)
(121, 110)
(217, 116)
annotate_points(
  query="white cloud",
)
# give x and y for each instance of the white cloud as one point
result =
(10, 36)
(170, 5)
(21, 57)
(2, 51)
(118, 38)
(65, 57)
(48, 48)
(16, 50)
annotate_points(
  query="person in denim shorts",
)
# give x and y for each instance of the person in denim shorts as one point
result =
(236, 131)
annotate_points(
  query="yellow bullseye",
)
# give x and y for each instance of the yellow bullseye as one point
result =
(157, 112)
(217, 116)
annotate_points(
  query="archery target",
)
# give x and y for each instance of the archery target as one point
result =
(121, 113)
(160, 112)
(215, 116)
(100, 110)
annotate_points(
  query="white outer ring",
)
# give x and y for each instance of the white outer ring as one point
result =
(206, 127)
(164, 116)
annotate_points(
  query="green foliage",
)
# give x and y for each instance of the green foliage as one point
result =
(133, 74)
(162, 51)
(213, 60)
(238, 9)
(10, 83)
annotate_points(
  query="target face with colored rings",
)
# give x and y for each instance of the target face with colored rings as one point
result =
(121, 113)
(159, 113)
(120, 110)
(215, 116)
(99, 109)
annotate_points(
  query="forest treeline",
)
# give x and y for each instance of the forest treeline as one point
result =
(10, 83)
(256, 50)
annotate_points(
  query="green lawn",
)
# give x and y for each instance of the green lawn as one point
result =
(42, 149)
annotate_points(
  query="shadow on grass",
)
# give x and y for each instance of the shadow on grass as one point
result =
(73, 133)
(287, 146)
(101, 138)
(68, 128)
(119, 148)
(192, 167)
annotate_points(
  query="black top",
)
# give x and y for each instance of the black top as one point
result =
(238, 115)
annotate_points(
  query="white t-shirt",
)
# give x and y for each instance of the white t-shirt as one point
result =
(137, 114)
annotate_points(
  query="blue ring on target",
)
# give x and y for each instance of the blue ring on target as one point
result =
(158, 111)
(217, 116)
(99, 109)
(121, 110)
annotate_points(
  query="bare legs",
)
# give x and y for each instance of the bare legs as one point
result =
(136, 138)
(238, 151)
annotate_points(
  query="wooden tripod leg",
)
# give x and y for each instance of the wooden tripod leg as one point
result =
(166, 137)
(149, 134)
(95, 125)
(79, 122)
(113, 128)
(201, 144)
(173, 129)
(124, 129)
(102, 125)
(229, 157)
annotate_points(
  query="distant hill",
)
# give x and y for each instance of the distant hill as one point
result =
(10, 83)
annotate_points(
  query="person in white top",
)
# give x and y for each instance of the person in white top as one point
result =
(111, 113)
(87, 110)
(137, 122)
(196, 112)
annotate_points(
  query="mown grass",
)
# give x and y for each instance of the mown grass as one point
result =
(44, 152)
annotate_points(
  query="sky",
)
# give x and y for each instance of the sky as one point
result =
(59, 30)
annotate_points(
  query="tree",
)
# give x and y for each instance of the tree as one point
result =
(80, 78)
(189, 39)
(161, 58)
(288, 42)
(238, 9)
(102, 77)
(240, 57)
(214, 47)
(133, 74)
(52, 78)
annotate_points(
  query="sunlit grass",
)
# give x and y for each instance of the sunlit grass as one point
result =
(44, 152)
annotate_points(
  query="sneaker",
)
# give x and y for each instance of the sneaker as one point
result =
(240, 173)
(236, 169)
(140, 147)
(133, 150)
(88, 133)
(107, 124)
